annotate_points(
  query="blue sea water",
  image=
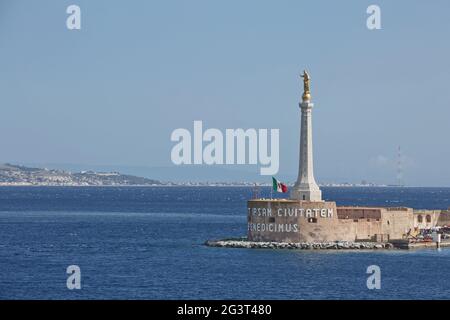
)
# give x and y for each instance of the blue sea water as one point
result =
(147, 243)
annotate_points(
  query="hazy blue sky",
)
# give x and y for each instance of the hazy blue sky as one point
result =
(112, 93)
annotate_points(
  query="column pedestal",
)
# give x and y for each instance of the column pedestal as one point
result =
(306, 187)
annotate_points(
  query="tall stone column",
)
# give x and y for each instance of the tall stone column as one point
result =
(306, 187)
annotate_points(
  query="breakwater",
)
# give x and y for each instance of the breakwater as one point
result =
(338, 245)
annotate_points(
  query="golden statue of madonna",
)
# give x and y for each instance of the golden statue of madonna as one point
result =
(306, 93)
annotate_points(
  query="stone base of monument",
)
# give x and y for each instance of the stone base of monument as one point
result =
(335, 245)
(294, 221)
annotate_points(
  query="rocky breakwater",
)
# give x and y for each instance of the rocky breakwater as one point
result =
(339, 245)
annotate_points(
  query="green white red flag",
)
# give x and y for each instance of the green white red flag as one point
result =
(279, 186)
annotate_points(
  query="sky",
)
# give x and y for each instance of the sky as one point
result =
(110, 95)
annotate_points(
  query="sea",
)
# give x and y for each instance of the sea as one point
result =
(148, 243)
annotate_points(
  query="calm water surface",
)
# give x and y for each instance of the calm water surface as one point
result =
(147, 243)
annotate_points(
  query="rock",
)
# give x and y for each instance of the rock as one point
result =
(338, 245)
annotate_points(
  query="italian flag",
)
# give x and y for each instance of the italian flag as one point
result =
(278, 186)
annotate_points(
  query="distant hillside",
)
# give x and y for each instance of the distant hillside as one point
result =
(13, 175)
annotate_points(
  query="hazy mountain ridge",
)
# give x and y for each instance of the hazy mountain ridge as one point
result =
(15, 175)
(31, 175)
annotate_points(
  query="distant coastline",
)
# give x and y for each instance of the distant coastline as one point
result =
(15, 175)
(21, 176)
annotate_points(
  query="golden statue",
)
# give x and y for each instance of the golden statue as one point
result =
(306, 93)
